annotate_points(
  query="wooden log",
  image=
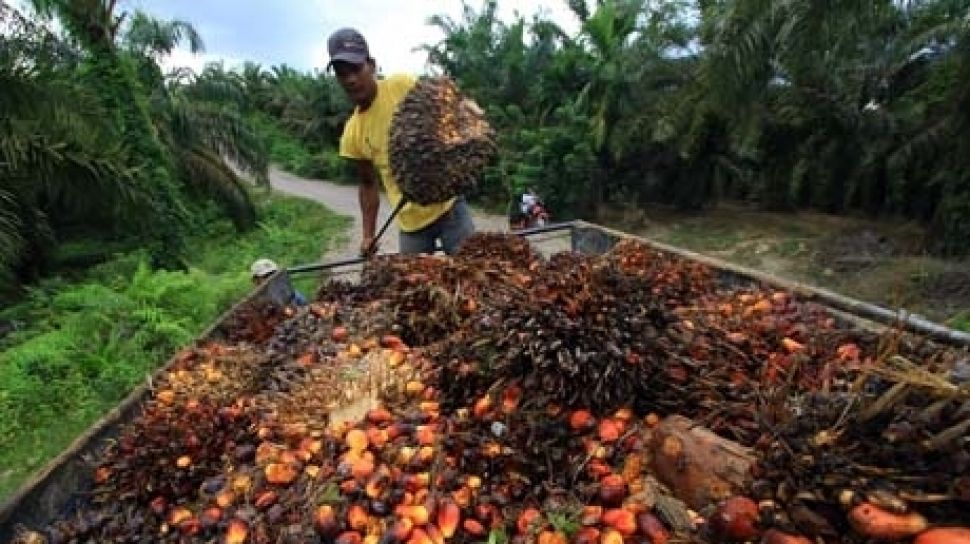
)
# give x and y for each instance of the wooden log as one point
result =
(700, 467)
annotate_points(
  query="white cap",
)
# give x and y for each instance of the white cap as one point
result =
(262, 268)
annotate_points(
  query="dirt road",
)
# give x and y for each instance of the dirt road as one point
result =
(343, 200)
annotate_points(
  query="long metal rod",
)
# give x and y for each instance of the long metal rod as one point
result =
(373, 243)
(351, 261)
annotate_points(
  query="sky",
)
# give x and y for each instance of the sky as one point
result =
(294, 32)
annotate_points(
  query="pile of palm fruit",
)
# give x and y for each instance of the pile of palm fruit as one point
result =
(500, 396)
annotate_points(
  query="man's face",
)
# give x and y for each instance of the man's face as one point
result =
(357, 80)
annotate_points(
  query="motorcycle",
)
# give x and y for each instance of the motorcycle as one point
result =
(538, 216)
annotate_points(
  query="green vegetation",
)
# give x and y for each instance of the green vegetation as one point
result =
(96, 139)
(783, 104)
(82, 345)
(293, 155)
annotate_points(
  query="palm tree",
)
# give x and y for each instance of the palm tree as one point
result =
(59, 160)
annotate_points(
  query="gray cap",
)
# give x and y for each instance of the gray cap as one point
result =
(347, 45)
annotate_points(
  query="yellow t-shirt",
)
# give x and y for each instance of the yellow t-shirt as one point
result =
(366, 136)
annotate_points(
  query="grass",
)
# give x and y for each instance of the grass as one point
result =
(83, 343)
(812, 248)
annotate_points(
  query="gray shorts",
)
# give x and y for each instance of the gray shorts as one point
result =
(452, 229)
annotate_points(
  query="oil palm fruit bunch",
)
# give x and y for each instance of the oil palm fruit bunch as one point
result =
(440, 142)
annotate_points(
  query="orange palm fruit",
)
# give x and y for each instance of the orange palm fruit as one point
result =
(482, 406)
(418, 536)
(462, 496)
(349, 537)
(280, 473)
(225, 498)
(325, 521)
(166, 396)
(265, 499)
(429, 406)
(473, 527)
(434, 533)
(611, 536)
(379, 415)
(376, 486)
(622, 520)
(426, 454)
(401, 530)
(211, 516)
(357, 517)
(591, 515)
(377, 437)
(391, 341)
(492, 450)
(623, 414)
(581, 421)
(527, 518)
(414, 387)
(356, 440)
(417, 513)
(237, 531)
(609, 430)
(183, 462)
(448, 517)
(551, 537)
(178, 515)
(425, 435)
(362, 469)
(349, 486)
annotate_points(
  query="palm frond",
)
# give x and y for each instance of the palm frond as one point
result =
(206, 172)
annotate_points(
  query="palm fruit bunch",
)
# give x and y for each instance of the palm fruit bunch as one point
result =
(440, 143)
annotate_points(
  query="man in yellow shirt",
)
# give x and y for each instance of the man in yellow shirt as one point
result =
(365, 142)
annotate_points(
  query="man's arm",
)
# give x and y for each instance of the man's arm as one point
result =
(370, 201)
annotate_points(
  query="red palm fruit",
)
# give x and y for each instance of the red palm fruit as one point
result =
(609, 430)
(418, 536)
(587, 535)
(349, 537)
(434, 533)
(527, 518)
(379, 415)
(473, 527)
(581, 421)
(158, 505)
(735, 519)
(449, 515)
(622, 520)
(357, 517)
(265, 499)
(511, 398)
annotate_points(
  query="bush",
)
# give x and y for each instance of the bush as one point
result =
(83, 345)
